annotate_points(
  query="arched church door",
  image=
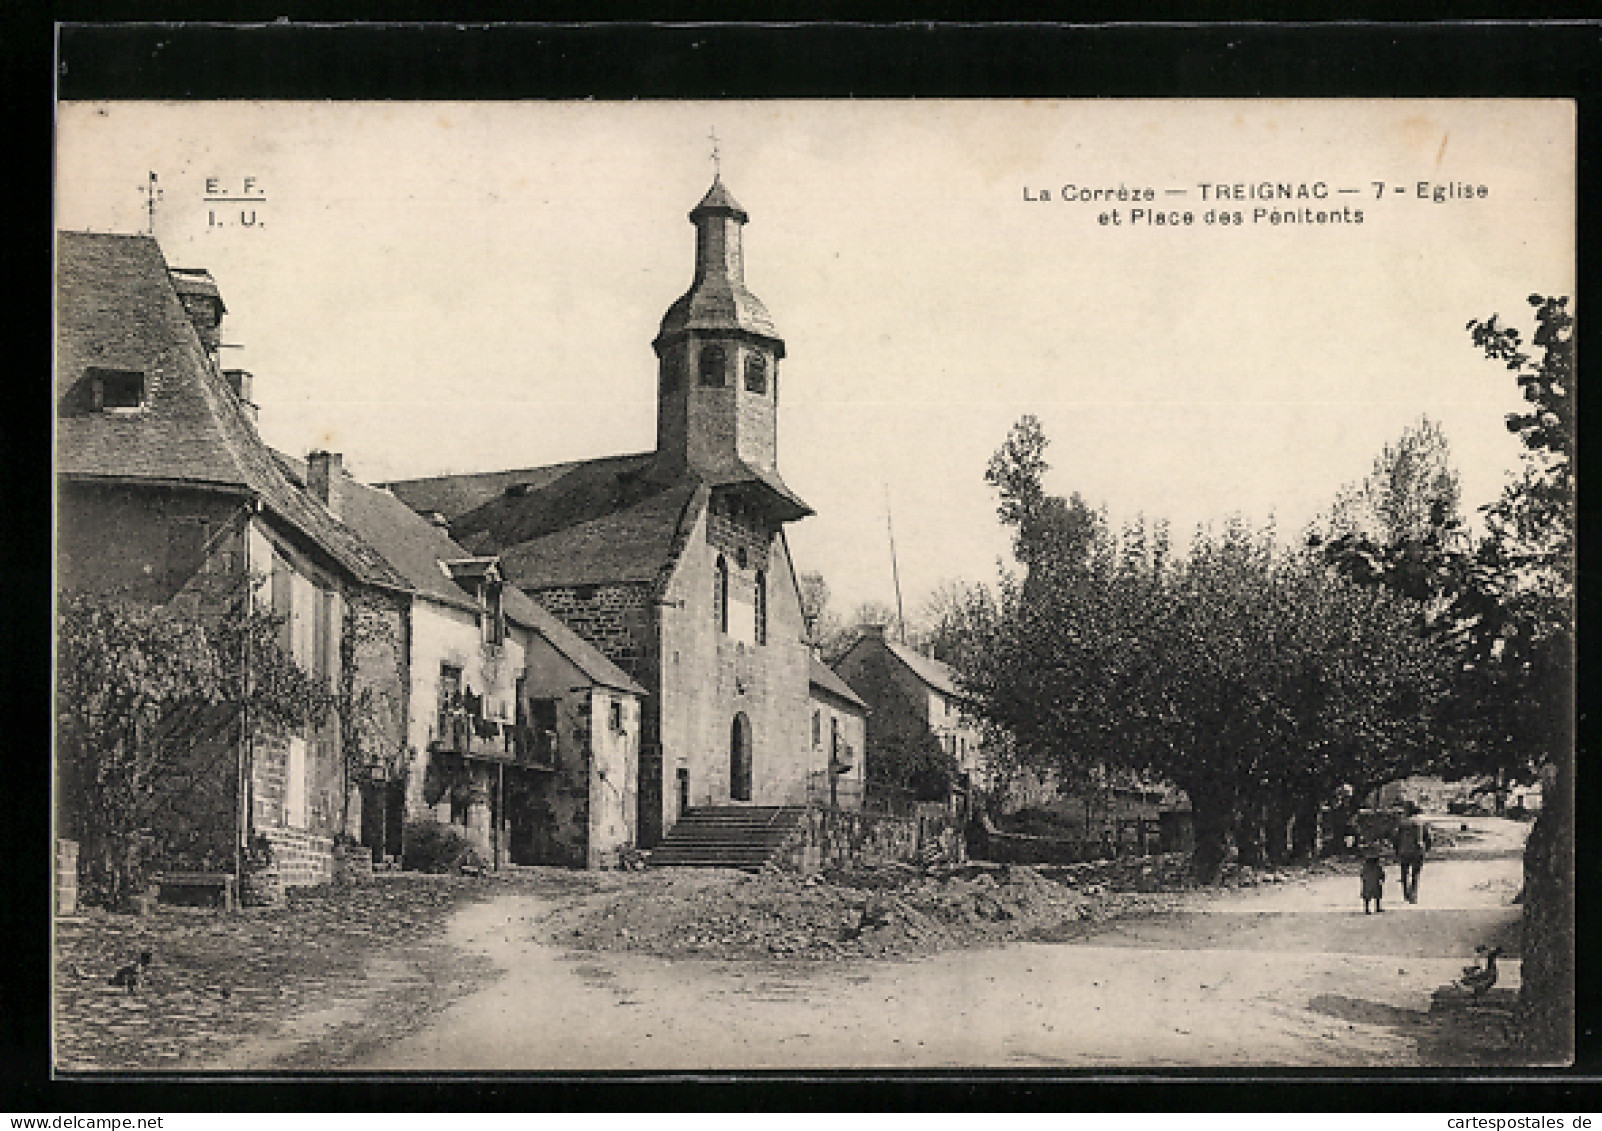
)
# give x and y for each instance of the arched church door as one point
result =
(740, 758)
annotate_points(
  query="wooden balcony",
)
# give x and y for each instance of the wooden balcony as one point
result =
(490, 740)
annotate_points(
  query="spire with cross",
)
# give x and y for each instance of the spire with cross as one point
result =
(717, 160)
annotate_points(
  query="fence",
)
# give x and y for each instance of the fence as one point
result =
(1131, 838)
(870, 797)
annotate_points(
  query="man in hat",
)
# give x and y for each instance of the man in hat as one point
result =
(1412, 842)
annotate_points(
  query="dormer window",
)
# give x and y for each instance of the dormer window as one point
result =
(117, 390)
(756, 373)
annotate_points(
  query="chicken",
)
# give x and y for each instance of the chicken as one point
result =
(1478, 979)
(133, 973)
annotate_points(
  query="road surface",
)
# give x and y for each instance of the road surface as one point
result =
(1289, 974)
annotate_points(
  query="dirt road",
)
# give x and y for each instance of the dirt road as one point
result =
(1291, 974)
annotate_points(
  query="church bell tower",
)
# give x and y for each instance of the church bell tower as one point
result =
(718, 356)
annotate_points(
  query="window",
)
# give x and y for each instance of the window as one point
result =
(450, 687)
(761, 633)
(713, 366)
(494, 614)
(817, 728)
(615, 714)
(283, 596)
(834, 737)
(756, 373)
(720, 595)
(113, 389)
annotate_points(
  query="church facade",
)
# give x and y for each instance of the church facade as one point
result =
(674, 562)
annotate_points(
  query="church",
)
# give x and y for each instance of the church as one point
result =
(673, 562)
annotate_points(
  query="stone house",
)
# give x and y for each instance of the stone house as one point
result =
(166, 495)
(912, 697)
(674, 562)
(839, 738)
(518, 731)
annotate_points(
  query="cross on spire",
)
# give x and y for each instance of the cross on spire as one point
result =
(717, 163)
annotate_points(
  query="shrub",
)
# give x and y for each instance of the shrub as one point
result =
(434, 847)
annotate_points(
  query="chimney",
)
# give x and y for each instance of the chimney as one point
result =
(202, 301)
(323, 470)
(243, 384)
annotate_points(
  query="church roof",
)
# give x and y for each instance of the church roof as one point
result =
(718, 299)
(593, 522)
(452, 496)
(605, 521)
(117, 309)
(718, 303)
(719, 199)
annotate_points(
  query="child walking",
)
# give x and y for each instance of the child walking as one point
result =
(1373, 883)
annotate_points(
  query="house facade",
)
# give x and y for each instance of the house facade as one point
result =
(912, 698)
(519, 733)
(673, 562)
(839, 739)
(167, 496)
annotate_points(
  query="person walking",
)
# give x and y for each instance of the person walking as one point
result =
(1412, 842)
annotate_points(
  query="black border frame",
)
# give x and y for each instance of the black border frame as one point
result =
(702, 53)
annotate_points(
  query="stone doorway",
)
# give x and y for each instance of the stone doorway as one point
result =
(740, 758)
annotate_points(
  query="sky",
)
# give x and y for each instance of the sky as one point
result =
(448, 287)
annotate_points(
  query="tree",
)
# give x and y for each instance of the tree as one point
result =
(139, 689)
(955, 618)
(1254, 679)
(1523, 605)
(1402, 525)
(1049, 532)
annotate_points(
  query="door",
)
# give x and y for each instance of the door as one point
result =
(740, 758)
(684, 790)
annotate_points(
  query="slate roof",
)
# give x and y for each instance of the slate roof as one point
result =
(455, 495)
(416, 548)
(825, 678)
(719, 199)
(936, 673)
(716, 301)
(620, 519)
(116, 308)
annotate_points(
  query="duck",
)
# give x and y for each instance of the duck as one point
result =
(1478, 979)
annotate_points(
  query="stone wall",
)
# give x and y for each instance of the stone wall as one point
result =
(148, 544)
(616, 619)
(708, 677)
(838, 837)
(304, 859)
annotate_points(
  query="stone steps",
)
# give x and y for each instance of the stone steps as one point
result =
(727, 836)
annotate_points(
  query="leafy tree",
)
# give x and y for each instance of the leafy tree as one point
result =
(139, 687)
(1049, 532)
(1256, 681)
(1521, 606)
(1402, 526)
